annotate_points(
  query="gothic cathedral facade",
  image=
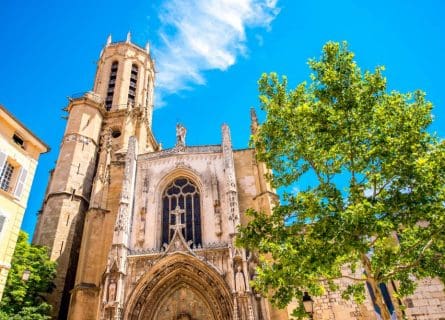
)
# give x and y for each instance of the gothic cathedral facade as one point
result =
(144, 233)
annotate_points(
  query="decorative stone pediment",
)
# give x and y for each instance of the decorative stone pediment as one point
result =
(178, 243)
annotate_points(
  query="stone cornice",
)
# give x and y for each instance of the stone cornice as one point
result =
(180, 150)
(78, 138)
(83, 286)
(154, 252)
(269, 193)
(67, 194)
(90, 99)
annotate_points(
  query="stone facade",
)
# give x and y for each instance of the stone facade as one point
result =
(144, 233)
(19, 152)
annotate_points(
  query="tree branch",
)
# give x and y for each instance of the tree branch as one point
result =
(411, 265)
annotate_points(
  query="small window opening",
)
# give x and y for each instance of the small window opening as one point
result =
(115, 133)
(18, 140)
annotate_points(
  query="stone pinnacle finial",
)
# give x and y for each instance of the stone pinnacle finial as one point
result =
(253, 121)
(109, 39)
(226, 139)
(147, 47)
(128, 37)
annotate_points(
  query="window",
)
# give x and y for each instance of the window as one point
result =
(6, 176)
(3, 225)
(18, 140)
(2, 222)
(115, 133)
(12, 176)
(133, 82)
(183, 193)
(111, 85)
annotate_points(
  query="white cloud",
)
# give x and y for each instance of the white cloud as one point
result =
(199, 35)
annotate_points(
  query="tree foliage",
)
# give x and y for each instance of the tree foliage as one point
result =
(24, 299)
(376, 201)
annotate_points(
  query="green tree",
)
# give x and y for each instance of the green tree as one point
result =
(377, 196)
(23, 299)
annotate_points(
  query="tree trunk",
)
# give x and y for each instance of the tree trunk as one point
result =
(393, 287)
(379, 301)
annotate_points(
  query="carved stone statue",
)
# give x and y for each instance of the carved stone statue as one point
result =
(180, 134)
(112, 291)
(240, 282)
(141, 231)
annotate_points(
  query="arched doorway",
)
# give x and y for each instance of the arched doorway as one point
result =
(180, 286)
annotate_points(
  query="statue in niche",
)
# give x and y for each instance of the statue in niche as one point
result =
(112, 291)
(137, 310)
(141, 231)
(240, 282)
(180, 135)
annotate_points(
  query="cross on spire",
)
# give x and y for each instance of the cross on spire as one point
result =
(177, 213)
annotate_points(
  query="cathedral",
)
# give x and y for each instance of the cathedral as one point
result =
(143, 233)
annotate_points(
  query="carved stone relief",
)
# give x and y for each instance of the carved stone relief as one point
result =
(181, 288)
(240, 281)
(185, 304)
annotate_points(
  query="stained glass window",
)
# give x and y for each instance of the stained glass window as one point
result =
(185, 194)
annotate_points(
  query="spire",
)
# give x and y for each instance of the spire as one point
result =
(147, 47)
(109, 40)
(227, 141)
(128, 37)
(253, 121)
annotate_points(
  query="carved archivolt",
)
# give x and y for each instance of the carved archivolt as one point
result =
(171, 277)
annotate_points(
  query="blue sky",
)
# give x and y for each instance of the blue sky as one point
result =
(209, 56)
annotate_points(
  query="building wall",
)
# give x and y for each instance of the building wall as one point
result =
(427, 302)
(12, 201)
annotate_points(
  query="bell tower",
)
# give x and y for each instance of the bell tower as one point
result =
(82, 196)
(125, 82)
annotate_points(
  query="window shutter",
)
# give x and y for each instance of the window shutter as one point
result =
(2, 222)
(2, 161)
(20, 183)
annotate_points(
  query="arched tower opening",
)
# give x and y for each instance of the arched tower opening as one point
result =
(111, 85)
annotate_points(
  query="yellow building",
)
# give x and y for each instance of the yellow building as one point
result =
(19, 151)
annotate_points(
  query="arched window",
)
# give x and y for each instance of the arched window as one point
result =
(184, 193)
(133, 83)
(111, 85)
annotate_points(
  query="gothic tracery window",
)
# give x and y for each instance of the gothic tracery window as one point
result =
(184, 193)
